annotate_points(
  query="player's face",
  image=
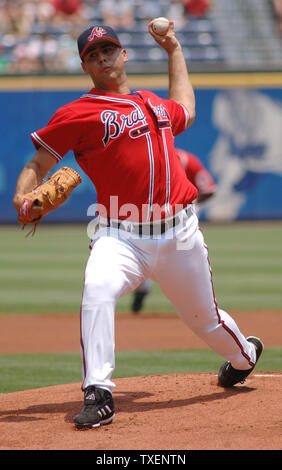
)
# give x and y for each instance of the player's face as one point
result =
(104, 61)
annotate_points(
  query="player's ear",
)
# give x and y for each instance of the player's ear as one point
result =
(83, 67)
(124, 55)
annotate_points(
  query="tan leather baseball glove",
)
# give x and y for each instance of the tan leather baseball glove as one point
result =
(48, 196)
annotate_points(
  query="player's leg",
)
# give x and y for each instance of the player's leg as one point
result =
(187, 282)
(112, 269)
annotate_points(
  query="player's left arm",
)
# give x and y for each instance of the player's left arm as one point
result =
(180, 87)
(33, 174)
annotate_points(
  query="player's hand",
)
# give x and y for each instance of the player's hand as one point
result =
(29, 212)
(17, 201)
(168, 41)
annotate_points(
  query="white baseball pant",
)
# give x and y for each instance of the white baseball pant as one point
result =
(178, 261)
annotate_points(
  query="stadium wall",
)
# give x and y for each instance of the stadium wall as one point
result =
(237, 134)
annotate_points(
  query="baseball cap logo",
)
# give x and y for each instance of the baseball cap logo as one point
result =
(97, 31)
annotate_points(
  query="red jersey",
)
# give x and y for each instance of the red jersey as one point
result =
(196, 172)
(125, 144)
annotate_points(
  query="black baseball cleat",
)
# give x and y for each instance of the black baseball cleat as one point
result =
(228, 376)
(138, 301)
(98, 408)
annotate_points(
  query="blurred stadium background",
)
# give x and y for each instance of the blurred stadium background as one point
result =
(234, 54)
(39, 36)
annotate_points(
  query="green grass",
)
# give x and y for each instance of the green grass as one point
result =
(44, 273)
(28, 371)
(246, 259)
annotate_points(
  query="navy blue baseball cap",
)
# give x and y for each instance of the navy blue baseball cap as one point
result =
(94, 34)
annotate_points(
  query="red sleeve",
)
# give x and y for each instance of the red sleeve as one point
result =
(179, 116)
(62, 133)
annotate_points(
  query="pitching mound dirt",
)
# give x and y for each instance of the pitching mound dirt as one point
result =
(163, 412)
(166, 412)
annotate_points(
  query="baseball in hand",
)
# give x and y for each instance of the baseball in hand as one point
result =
(160, 26)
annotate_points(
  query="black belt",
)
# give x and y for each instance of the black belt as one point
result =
(149, 229)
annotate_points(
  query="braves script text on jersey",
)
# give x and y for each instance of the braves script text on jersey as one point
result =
(102, 130)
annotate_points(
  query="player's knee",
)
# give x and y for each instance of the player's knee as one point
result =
(101, 289)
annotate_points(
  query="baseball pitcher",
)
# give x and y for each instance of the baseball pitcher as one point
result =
(147, 227)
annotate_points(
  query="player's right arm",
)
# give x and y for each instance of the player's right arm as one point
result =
(33, 174)
(180, 87)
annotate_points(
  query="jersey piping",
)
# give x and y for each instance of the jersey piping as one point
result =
(187, 117)
(167, 173)
(43, 144)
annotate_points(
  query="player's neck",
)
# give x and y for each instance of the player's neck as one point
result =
(119, 87)
(115, 91)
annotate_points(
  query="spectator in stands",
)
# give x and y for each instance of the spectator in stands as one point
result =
(38, 54)
(36, 49)
(37, 12)
(68, 11)
(145, 10)
(15, 18)
(197, 8)
(67, 7)
(175, 11)
(118, 13)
